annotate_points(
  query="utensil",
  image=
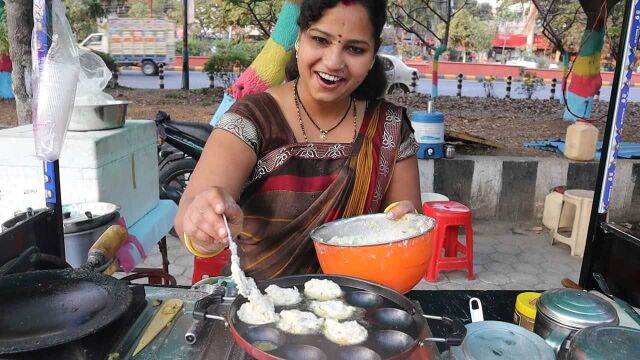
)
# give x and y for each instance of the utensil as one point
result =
(560, 313)
(396, 328)
(98, 117)
(162, 318)
(604, 342)
(487, 340)
(623, 304)
(475, 308)
(399, 262)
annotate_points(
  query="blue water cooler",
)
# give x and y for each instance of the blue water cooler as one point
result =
(429, 133)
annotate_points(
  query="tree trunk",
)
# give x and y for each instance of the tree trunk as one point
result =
(19, 23)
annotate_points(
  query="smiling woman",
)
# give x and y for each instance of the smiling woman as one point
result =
(321, 146)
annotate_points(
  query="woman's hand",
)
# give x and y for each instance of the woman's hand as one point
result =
(397, 210)
(203, 221)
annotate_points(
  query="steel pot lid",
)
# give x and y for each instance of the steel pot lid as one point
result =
(576, 309)
(486, 340)
(86, 216)
(605, 342)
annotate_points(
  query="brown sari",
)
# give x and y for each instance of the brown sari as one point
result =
(296, 187)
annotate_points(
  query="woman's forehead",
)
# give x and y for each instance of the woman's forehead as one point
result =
(345, 21)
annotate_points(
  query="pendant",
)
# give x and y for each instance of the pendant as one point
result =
(323, 135)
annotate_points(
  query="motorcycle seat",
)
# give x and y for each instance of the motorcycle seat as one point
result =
(198, 130)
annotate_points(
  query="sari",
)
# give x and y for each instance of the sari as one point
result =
(296, 187)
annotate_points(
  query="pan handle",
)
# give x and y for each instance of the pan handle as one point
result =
(201, 307)
(457, 334)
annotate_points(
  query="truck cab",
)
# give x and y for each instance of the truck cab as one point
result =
(97, 42)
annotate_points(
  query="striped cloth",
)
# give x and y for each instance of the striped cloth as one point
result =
(585, 78)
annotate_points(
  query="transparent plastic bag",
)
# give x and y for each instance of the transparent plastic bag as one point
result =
(94, 77)
(54, 84)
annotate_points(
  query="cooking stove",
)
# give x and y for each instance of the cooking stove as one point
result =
(117, 341)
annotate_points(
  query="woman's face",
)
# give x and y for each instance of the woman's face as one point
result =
(336, 52)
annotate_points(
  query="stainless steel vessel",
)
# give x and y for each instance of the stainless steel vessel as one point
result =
(98, 117)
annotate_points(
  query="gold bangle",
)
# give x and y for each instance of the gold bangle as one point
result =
(192, 250)
(394, 204)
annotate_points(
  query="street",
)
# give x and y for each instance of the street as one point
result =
(197, 80)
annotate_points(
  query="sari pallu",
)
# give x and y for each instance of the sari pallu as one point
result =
(297, 187)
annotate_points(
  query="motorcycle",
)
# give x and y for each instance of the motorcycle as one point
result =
(180, 144)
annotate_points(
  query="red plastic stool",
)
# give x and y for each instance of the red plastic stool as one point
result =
(450, 215)
(209, 266)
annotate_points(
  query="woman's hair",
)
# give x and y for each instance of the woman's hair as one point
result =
(375, 82)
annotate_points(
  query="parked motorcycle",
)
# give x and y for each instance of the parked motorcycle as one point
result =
(180, 144)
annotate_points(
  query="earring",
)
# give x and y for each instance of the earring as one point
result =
(297, 46)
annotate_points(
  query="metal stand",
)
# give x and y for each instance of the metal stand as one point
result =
(612, 138)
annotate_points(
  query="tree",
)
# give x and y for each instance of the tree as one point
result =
(483, 12)
(83, 16)
(419, 17)
(139, 10)
(19, 23)
(4, 33)
(561, 22)
(262, 14)
(469, 33)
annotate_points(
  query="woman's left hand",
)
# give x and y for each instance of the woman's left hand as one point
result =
(397, 210)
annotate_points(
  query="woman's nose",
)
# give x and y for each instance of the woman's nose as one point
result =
(333, 59)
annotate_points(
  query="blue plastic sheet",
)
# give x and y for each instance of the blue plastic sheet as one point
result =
(626, 150)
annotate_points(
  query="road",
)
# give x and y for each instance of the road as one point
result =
(198, 80)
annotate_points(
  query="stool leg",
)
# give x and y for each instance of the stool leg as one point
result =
(451, 241)
(165, 257)
(436, 254)
(469, 250)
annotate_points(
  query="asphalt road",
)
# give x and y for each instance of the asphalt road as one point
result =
(198, 80)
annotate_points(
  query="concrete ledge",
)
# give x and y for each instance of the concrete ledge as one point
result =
(513, 188)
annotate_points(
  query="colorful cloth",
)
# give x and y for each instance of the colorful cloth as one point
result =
(585, 77)
(296, 187)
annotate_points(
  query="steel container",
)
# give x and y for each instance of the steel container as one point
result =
(98, 117)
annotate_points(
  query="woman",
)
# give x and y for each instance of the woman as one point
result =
(320, 147)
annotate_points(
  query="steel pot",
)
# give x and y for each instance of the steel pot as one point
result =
(604, 342)
(561, 313)
(98, 117)
(487, 340)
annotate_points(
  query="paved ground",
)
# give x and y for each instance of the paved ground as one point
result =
(507, 256)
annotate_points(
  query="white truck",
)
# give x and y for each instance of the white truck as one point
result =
(139, 42)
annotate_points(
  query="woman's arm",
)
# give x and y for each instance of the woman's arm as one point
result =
(404, 188)
(214, 187)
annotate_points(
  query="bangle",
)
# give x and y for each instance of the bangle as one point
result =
(192, 250)
(394, 204)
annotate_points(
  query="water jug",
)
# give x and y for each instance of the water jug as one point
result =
(581, 141)
(429, 132)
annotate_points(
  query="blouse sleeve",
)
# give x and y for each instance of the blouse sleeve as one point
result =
(408, 144)
(242, 128)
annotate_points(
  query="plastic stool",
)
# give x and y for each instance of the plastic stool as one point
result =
(579, 203)
(449, 216)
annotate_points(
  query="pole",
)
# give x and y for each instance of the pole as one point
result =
(185, 46)
(42, 22)
(509, 79)
(161, 75)
(611, 139)
(553, 88)
(459, 92)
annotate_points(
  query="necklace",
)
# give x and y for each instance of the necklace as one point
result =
(323, 133)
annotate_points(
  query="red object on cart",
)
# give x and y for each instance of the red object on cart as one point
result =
(209, 266)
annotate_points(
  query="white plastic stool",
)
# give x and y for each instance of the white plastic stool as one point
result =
(579, 202)
(427, 196)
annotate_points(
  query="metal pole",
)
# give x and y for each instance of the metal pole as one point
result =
(185, 47)
(509, 79)
(553, 88)
(42, 22)
(611, 139)
(211, 81)
(459, 92)
(161, 75)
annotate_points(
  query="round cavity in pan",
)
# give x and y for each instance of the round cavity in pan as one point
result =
(265, 337)
(391, 318)
(364, 299)
(356, 353)
(300, 351)
(391, 342)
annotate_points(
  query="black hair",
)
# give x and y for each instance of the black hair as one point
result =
(375, 83)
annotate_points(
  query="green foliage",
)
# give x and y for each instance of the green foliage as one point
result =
(108, 60)
(504, 13)
(139, 10)
(487, 84)
(482, 11)
(230, 58)
(469, 33)
(562, 23)
(83, 16)
(530, 84)
(4, 33)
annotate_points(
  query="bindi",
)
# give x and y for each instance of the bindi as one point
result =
(339, 38)
(347, 2)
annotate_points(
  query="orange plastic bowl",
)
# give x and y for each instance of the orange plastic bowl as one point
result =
(394, 253)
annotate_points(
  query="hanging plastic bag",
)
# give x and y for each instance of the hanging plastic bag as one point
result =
(54, 84)
(94, 77)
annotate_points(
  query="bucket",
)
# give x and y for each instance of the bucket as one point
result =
(429, 133)
(83, 223)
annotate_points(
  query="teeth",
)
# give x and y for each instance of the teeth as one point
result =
(328, 77)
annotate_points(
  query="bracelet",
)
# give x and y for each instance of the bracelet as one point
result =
(192, 250)
(394, 204)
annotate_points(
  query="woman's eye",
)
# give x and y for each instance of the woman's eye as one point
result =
(320, 40)
(356, 50)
